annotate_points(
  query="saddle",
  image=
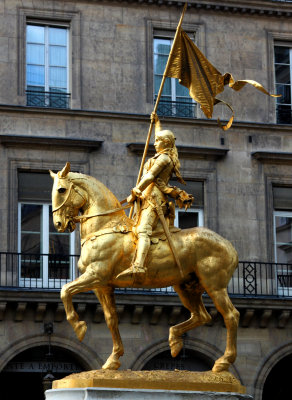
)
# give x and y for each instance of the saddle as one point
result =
(126, 226)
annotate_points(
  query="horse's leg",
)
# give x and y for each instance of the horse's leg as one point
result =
(231, 318)
(107, 301)
(87, 281)
(191, 298)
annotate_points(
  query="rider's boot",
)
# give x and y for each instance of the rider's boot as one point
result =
(137, 269)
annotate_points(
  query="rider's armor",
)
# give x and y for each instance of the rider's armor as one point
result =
(154, 194)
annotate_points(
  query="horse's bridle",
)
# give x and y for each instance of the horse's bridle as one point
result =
(80, 217)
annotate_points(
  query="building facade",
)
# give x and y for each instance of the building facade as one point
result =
(78, 83)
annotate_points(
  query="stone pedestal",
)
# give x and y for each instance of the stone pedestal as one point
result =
(139, 394)
(148, 385)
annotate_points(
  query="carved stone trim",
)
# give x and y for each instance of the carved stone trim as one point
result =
(272, 157)
(247, 317)
(137, 314)
(20, 310)
(283, 318)
(98, 315)
(265, 318)
(194, 152)
(174, 315)
(59, 313)
(3, 305)
(50, 142)
(156, 314)
(40, 312)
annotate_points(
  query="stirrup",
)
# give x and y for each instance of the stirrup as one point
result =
(133, 270)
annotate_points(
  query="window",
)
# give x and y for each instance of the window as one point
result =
(45, 254)
(282, 197)
(175, 99)
(194, 216)
(47, 62)
(283, 62)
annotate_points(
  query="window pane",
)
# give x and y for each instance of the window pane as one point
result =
(166, 88)
(282, 73)
(30, 265)
(30, 243)
(59, 243)
(35, 54)
(58, 77)
(284, 114)
(58, 56)
(34, 186)
(285, 91)
(282, 55)
(159, 64)
(35, 75)
(31, 217)
(188, 219)
(58, 36)
(282, 197)
(181, 90)
(35, 34)
(162, 46)
(59, 267)
(283, 239)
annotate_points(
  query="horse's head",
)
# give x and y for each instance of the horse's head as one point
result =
(67, 199)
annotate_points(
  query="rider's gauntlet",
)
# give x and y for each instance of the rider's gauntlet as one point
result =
(182, 198)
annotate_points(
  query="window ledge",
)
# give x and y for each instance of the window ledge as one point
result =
(194, 152)
(272, 157)
(50, 142)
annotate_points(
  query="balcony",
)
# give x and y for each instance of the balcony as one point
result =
(180, 109)
(50, 272)
(50, 99)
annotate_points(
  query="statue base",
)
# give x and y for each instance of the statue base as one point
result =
(160, 385)
(139, 394)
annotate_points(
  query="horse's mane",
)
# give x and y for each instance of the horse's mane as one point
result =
(96, 189)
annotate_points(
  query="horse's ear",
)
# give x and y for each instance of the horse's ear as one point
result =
(65, 170)
(53, 175)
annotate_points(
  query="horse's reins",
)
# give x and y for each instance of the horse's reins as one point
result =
(80, 217)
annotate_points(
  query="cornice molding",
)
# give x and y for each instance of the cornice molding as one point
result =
(210, 123)
(194, 152)
(272, 157)
(22, 141)
(268, 8)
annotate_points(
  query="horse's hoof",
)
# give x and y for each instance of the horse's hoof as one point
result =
(111, 364)
(175, 344)
(80, 330)
(221, 366)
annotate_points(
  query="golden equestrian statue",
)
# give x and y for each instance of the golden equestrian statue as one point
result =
(191, 260)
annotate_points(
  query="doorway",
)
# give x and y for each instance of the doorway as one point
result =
(24, 375)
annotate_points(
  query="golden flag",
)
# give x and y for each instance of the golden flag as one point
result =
(188, 64)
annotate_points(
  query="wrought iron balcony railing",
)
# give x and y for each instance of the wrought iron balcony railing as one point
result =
(52, 271)
(181, 109)
(47, 99)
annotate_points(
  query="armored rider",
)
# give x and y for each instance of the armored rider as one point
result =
(153, 189)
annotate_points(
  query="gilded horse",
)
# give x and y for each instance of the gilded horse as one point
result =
(208, 262)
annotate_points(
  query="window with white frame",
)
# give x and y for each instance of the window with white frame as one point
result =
(46, 256)
(283, 63)
(175, 99)
(194, 216)
(47, 66)
(282, 199)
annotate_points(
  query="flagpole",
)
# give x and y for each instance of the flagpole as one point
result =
(157, 101)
